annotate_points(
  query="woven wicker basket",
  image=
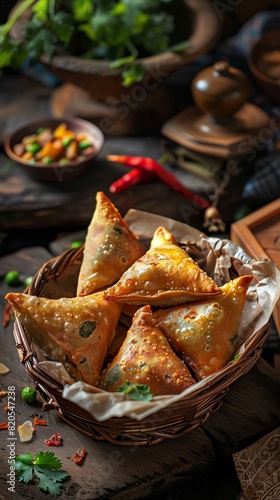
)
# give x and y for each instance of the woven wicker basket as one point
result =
(170, 422)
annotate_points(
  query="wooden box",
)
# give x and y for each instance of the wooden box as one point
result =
(259, 235)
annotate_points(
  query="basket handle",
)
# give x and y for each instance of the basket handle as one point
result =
(49, 402)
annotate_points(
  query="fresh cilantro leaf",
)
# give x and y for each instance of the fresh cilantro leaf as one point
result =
(133, 73)
(23, 466)
(62, 27)
(47, 459)
(46, 467)
(41, 10)
(82, 10)
(136, 391)
(122, 61)
(50, 479)
(23, 460)
(113, 30)
(25, 474)
(42, 42)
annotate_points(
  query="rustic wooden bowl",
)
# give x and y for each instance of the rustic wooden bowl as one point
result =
(201, 28)
(55, 172)
(264, 63)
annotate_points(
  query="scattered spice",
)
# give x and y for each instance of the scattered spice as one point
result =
(39, 421)
(3, 394)
(79, 456)
(4, 425)
(54, 440)
(6, 408)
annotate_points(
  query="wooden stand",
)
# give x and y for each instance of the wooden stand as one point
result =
(222, 122)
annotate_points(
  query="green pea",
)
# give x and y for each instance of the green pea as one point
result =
(12, 278)
(76, 244)
(28, 280)
(40, 130)
(34, 147)
(47, 159)
(66, 141)
(28, 394)
(63, 161)
(84, 144)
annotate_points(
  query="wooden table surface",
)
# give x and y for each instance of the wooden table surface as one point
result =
(196, 466)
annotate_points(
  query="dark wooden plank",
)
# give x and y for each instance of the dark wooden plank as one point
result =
(249, 410)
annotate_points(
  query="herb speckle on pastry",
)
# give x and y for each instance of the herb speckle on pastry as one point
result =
(110, 248)
(205, 334)
(91, 327)
(146, 357)
(164, 276)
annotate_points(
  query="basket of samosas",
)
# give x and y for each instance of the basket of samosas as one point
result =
(137, 335)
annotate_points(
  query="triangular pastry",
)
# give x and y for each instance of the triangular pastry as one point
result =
(146, 357)
(164, 276)
(110, 248)
(83, 326)
(205, 334)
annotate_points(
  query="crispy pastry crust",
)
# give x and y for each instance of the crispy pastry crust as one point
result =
(146, 357)
(110, 248)
(164, 276)
(205, 334)
(83, 326)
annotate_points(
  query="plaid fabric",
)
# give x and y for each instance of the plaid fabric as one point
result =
(264, 184)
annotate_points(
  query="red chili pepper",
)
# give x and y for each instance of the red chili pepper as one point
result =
(54, 440)
(39, 421)
(79, 456)
(153, 167)
(132, 178)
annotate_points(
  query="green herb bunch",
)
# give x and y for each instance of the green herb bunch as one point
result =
(119, 31)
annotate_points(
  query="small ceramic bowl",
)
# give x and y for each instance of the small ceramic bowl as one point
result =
(55, 171)
(264, 63)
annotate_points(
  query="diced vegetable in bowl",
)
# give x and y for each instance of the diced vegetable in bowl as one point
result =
(55, 149)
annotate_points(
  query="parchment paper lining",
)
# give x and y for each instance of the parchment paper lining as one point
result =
(222, 260)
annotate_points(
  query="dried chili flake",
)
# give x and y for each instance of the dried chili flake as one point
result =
(6, 408)
(4, 425)
(3, 394)
(39, 421)
(79, 456)
(54, 440)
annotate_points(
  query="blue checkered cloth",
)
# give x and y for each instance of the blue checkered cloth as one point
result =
(264, 184)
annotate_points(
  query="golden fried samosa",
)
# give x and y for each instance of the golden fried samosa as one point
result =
(82, 326)
(205, 334)
(146, 357)
(164, 276)
(110, 248)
